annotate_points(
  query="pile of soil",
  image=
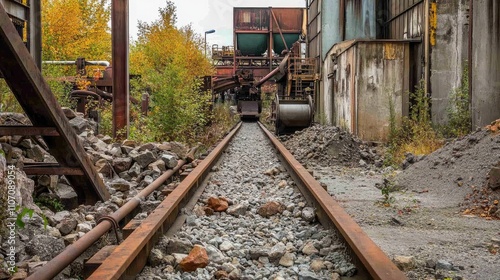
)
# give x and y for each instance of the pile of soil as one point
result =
(327, 145)
(466, 168)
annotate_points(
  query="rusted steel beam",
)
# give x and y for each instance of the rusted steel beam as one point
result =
(40, 105)
(279, 29)
(132, 253)
(28, 131)
(52, 170)
(16, 9)
(120, 42)
(376, 262)
(73, 251)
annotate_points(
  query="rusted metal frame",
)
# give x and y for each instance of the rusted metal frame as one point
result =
(404, 12)
(16, 9)
(120, 49)
(138, 242)
(35, 97)
(73, 251)
(279, 29)
(375, 261)
(51, 170)
(24, 130)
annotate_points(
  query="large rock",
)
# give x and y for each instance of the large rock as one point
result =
(129, 143)
(287, 259)
(308, 214)
(157, 166)
(179, 149)
(218, 204)
(170, 160)
(67, 225)
(102, 166)
(404, 263)
(147, 147)
(67, 196)
(122, 164)
(79, 124)
(214, 254)
(197, 258)
(135, 170)
(120, 185)
(36, 153)
(182, 246)
(46, 247)
(143, 158)
(271, 208)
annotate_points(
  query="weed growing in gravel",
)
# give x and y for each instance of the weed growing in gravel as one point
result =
(459, 115)
(52, 203)
(416, 134)
(387, 187)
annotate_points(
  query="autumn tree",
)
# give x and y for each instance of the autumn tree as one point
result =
(76, 28)
(170, 62)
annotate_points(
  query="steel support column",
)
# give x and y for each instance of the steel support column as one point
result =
(40, 105)
(119, 30)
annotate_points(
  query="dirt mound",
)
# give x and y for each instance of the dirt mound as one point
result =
(328, 145)
(460, 171)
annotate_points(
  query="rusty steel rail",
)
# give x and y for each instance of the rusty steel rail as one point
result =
(366, 252)
(130, 256)
(73, 251)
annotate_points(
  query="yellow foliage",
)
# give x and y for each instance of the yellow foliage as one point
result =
(76, 28)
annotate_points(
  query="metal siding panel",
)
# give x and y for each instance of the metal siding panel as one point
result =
(290, 19)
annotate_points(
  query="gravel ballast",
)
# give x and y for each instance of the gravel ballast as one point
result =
(259, 228)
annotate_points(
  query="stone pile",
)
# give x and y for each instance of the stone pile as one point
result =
(125, 168)
(329, 145)
(267, 230)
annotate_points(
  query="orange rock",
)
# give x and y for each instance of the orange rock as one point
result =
(270, 208)
(218, 204)
(197, 258)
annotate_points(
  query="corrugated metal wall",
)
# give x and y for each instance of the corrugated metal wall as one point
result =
(401, 19)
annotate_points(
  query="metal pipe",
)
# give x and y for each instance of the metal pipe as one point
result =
(267, 77)
(73, 251)
(281, 68)
(69, 62)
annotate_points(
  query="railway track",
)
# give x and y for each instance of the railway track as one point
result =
(311, 236)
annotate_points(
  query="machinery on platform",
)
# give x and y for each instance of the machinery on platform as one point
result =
(296, 77)
(268, 49)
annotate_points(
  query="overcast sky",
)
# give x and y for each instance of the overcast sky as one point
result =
(202, 14)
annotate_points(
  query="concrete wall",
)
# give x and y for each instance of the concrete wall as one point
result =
(382, 78)
(449, 52)
(363, 78)
(486, 62)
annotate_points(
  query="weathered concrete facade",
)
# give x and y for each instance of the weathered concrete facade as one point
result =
(440, 48)
(449, 51)
(486, 62)
(365, 81)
